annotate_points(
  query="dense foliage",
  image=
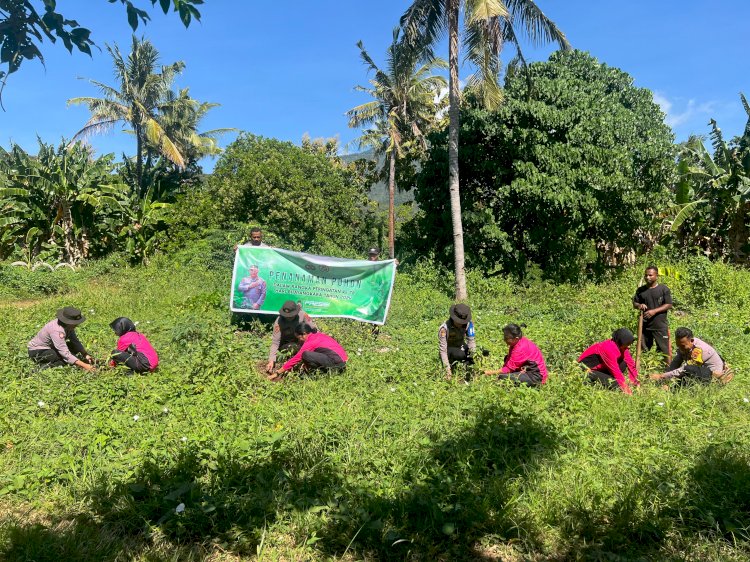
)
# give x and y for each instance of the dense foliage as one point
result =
(310, 199)
(573, 171)
(387, 461)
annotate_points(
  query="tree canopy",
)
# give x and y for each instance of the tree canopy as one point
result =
(569, 173)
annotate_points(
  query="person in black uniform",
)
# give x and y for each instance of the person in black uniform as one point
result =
(654, 300)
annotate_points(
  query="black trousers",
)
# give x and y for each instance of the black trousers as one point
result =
(694, 374)
(47, 358)
(133, 360)
(460, 355)
(531, 376)
(323, 359)
(601, 377)
(658, 335)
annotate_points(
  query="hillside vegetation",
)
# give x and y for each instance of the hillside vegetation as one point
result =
(385, 461)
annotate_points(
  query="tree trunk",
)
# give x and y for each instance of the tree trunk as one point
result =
(738, 233)
(392, 205)
(453, 124)
(139, 162)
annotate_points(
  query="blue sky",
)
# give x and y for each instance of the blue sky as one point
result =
(283, 70)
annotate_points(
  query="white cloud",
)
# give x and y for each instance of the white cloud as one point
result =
(689, 111)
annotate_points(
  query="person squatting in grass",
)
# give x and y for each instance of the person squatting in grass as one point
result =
(284, 339)
(654, 300)
(57, 344)
(318, 352)
(524, 363)
(607, 361)
(456, 342)
(133, 349)
(696, 361)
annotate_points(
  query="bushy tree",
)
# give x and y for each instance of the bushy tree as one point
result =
(308, 199)
(573, 171)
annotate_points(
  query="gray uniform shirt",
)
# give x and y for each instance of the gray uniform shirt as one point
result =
(302, 317)
(53, 336)
(702, 354)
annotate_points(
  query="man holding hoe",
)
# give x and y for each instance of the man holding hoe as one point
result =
(654, 300)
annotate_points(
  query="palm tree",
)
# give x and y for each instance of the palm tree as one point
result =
(488, 24)
(141, 101)
(403, 110)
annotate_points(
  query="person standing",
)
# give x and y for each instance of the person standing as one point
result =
(695, 361)
(256, 239)
(254, 289)
(373, 254)
(290, 316)
(456, 342)
(57, 344)
(654, 300)
(524, 363)
(606, 362)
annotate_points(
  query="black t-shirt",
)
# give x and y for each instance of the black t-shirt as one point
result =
(654, 298)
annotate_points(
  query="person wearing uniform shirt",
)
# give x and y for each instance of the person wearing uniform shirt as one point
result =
(524, 363)
(607, 361)
(695, 361)
(456, 342)
(254, 288)
(57, 344)
(319, 352)
(291, 315)
(654, 300)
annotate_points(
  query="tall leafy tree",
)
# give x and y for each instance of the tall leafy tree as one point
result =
(403, 110)
(24, 25)
(487, 25)
(139, 101)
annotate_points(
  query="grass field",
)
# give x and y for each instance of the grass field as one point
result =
(387, 461)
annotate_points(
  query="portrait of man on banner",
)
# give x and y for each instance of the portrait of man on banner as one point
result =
(253, 287)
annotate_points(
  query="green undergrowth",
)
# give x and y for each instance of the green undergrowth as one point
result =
(385, 461)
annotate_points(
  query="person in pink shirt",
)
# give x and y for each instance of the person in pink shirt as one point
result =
(133, 349)
(318, 352)
(607, 361)
(524, 363)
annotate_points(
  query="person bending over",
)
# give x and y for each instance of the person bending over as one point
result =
(133, 349)
(318, 352)
(696, 361)
(456, 343)
(290, 316)
(607, 361)
(57, 344)
(524, 363)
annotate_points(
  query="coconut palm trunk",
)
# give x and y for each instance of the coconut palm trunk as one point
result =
(392, 205)
(453, 125)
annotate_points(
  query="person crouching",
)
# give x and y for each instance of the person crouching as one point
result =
(319, 352)
(57, 344)
(133, 349)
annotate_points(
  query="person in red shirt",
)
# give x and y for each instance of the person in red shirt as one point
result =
(524, 363)
(133, 349)
(607, 361)
(318, 352)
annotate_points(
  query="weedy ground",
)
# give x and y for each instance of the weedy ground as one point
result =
(385, 461)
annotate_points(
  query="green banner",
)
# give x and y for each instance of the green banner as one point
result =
(264, 278)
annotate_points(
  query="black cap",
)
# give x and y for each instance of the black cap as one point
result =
(373, 251)
(289, 309)
(460, 314)
(70, 316)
